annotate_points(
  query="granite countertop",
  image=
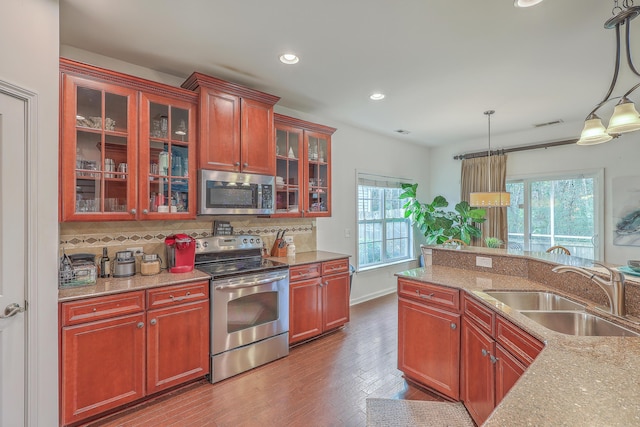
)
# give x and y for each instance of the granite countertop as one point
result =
(301, 258)
(138, 282)
(592, 381)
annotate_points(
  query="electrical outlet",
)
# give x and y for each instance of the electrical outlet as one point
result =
(288, 239)
(347, 233)
(137, 250)
(484, 261)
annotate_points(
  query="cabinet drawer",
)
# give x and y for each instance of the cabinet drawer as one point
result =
(302, 272)
(177, 294)
(89, 310)
(337, 266)
(483, 317)
(519, 343)
(430, 294)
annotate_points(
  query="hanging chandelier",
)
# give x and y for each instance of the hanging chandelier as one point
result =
(625, 117)
(489, 199)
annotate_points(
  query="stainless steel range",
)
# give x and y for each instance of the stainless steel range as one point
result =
(249, 304)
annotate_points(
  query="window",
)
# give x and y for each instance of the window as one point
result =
(561, 210)
(385, 236)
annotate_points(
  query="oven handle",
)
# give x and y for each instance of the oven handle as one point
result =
(241, 284)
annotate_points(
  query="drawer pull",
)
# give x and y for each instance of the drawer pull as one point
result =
(140, 325)
(153, 321)
(425, 296)
(94, 309)
(178, 299)
(453, 326)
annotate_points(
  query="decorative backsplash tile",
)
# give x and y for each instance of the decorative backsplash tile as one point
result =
(91, 237)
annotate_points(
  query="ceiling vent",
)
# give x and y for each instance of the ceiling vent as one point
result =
(554, 122)
(402, 131)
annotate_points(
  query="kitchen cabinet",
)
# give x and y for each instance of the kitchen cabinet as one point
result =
(121, 348)
(429, 335)
(495, 353)
(318, 299)
(127, 147)
(177, 335)
(303, 168)
(236, 126)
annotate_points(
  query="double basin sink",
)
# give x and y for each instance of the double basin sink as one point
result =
(559, 314)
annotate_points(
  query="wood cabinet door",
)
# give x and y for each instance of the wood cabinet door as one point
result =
(429, 346)
(102, 366)
(177, 345)
(508, 371)
(478, 372)
(335, 301)
(317, 174)
(98, 134)
(219, 145)
(290, 185)
(305, 310)
(258, 147)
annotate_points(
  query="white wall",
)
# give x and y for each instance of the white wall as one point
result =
(618, 158)
(29, 49)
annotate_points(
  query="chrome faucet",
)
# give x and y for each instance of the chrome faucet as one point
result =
(614, 287)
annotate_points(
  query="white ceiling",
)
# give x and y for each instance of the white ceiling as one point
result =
(441, 63)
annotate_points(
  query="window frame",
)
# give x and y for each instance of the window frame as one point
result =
(598, 197)
(410, 228)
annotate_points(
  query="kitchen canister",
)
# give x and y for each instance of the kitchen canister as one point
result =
(150, 264)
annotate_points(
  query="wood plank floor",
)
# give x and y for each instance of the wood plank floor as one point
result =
(321, 383)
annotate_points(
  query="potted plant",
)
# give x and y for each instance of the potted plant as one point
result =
(493, 242)
(437, 224)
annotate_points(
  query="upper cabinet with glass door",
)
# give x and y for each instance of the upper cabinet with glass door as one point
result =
(107, 149)
(303, 163)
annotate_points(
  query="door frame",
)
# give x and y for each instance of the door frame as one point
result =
(30, 102)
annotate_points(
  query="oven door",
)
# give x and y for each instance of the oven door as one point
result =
(248, 308)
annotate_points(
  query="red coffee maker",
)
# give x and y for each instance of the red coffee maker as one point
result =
(181, 253)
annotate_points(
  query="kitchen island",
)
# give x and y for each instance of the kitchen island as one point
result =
(575, 380)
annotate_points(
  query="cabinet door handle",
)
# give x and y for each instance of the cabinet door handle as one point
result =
(493, 359)
(453, 326)
(145, 211)
(133, 211)
(140, 325)
(484, 352)
(153, 321)
(236, 164)
(245, 164)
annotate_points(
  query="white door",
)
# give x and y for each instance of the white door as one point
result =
(13, 214)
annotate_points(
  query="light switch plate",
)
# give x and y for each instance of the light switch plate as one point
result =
(484, 262)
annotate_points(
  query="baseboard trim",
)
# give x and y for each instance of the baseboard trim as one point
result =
(373, 296)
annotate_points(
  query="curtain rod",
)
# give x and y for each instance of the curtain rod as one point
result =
(514, 149)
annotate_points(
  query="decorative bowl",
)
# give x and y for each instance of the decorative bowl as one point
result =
(634, 264)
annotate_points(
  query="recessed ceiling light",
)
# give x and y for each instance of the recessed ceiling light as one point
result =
(289, 58)
(526, 3)
(377, 96)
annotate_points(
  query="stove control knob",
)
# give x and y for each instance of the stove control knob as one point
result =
(257, 240)
(251, 240)
(205, 244)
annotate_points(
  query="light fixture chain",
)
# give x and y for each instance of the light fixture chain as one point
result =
(616, 9)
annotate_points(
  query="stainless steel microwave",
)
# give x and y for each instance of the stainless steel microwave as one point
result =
(231, 193)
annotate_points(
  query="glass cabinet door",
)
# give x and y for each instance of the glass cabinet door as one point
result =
(289, 158)
(166, 182)
(318, 174)
(101, 136)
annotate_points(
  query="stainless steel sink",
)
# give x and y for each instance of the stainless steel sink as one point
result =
(578, 323)
(535, 300)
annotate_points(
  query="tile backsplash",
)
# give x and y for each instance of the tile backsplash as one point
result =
(91, 237)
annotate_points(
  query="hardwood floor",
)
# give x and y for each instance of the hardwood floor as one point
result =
(321, 383)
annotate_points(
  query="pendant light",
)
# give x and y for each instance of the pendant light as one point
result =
(625, 116)
(489, 199)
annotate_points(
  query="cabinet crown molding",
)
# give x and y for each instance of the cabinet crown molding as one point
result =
(197, 80)
(292, 121)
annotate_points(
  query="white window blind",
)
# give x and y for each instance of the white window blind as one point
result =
(385, 236)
